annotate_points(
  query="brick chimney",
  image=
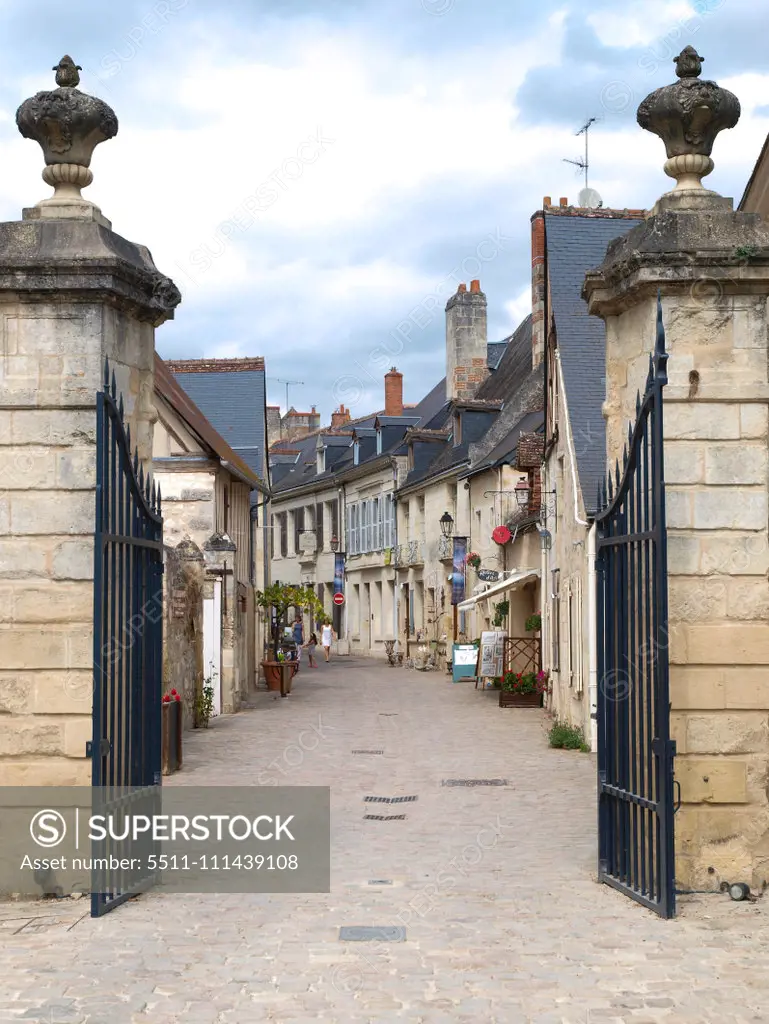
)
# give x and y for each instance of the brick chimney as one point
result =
(538, 285)
(339, 417)
(393, 387)
(466, 342)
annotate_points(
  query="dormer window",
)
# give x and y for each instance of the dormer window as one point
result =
(379, 441)
(411, 457)
(321, 460)
(356, 452)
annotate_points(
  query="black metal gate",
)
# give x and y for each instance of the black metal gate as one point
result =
(127, 643)
(635, 752)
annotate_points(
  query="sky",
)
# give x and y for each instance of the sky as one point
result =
(318, 177)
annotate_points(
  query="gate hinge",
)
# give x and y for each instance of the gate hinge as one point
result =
(105, 748)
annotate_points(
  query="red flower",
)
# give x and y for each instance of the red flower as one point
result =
(174, 693)
(177, 695)
(167, 699)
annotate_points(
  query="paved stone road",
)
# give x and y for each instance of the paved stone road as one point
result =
(494, 886)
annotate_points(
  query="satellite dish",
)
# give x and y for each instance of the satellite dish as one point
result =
(589, 199)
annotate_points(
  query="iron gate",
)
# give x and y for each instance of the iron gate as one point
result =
(635, 752)
(127, 645)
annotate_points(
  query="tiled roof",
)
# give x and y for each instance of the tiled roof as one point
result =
(576, 244)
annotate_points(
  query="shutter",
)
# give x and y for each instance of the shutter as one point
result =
(578, 634)
(272, 536)
(319, 525)
(298, 527)
(284, 534)
(335, 518)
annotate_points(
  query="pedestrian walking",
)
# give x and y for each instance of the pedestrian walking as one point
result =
(326, 636)
(311, 645)
(298, 635)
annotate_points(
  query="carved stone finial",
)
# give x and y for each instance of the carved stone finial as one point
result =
(68, 125)
(688, 63)
(688, 116)
(67, 73)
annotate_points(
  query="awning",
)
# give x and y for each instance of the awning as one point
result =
(511, 582)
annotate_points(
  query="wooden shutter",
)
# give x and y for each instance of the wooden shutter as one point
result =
(319, 525)
(298, 526)
(284, 534)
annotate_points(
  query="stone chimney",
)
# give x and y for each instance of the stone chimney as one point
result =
(466, 342)
(393, 393)
(339, 417)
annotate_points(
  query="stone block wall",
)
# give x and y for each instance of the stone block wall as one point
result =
(183, 627)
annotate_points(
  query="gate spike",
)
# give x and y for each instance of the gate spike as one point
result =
(141, 479)
(160, 499)
(616, 469)
(152, 504)
(136, 462)
(147, 488)
(650, 375)
(106, 373)
(609, 495)
(128, 436)
(114, 385)
(624, 458)
(120, 406)
(630, 437)
(637, 404)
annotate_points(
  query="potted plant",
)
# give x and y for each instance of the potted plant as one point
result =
(204, 705)
(473, 559)
(522, 689)
(534, 623)
(279, 598)
(501, 611)
(171, 733)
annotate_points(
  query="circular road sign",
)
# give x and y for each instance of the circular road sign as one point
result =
(338, 598)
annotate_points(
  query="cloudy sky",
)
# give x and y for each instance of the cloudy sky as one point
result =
(318, 175)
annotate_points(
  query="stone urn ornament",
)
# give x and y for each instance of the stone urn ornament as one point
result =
(688, 116)
(68, 125)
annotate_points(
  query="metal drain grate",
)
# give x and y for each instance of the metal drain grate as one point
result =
(389, 799)
(384, 817)
(474, 782)
(368, 751)
(358, 933)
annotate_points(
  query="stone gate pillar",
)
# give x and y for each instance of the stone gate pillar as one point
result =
(72, 293)
(712, 267)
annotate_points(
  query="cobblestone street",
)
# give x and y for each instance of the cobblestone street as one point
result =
(494, 885)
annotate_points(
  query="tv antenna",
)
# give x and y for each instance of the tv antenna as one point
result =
(583, 164)
(289, 384)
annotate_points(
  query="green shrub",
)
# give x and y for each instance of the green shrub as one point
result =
(567, 737)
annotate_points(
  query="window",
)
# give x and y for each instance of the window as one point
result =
(555, 619)
(272, 536)
(575, 633)
(379, 441)
(335, 519)
(356, 452)
(283, 521)
(321, 461)
(226, 509)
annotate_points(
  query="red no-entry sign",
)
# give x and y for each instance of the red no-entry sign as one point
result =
(338, 598)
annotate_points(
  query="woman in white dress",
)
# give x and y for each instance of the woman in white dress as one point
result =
(326, 636)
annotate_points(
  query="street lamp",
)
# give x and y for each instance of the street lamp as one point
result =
(522, 493)
(334, 542)
(447, 525)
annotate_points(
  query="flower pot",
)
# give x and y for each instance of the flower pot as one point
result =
(272, 674)
(171, 737)
(509, 699)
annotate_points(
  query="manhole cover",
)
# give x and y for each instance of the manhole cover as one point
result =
(363, 934)
(474, 782)
(389, 799)
(368, 751)
(384, 817)
(380, 881)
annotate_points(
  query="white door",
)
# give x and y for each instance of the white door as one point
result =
(212, 643)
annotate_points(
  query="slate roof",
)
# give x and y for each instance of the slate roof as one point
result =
(168, 388)
(231, 395)
(575, 245)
